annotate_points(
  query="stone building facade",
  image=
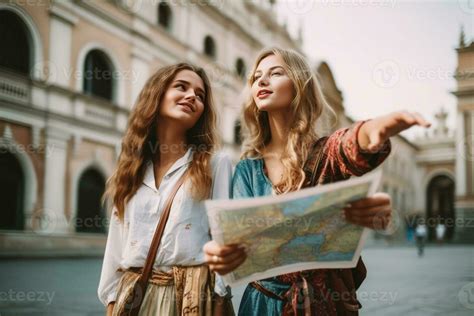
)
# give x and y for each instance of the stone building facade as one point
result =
(70, 72)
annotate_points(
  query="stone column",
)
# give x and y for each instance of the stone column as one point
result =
(464, 93)
(61, 24)
(53, 216)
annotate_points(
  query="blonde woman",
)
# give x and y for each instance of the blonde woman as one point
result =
(172, 130)
(280, 118)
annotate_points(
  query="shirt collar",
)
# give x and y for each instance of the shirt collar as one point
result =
(149, 178)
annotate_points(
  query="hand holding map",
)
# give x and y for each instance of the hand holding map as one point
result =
(292, 232)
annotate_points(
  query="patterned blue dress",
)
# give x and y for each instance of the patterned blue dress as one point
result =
(343, 158)
(250, 181)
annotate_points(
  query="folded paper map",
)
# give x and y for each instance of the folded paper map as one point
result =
(292, 232)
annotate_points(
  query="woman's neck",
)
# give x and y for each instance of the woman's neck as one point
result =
(279, 127)
(172, 143)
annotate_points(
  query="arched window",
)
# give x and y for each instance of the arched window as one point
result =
(240, 69)
(90, 211)
(237, 133)
(165, 16)
(209, 47)
(11, 192)
(98, 75)
(440, 206)
(15, 52)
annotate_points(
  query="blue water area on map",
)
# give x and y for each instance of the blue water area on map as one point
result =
(310, 244)
(336, 256)
(297, 207)
(309, 247)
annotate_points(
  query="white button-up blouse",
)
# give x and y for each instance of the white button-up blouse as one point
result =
(186, 232)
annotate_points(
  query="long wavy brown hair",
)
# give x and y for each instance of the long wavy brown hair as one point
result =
(139, 144)
(307, 107)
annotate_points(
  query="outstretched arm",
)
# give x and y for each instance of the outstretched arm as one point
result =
(374, 133)
(356, 150)
(375, 211)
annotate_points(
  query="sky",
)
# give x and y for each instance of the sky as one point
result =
(385, 55)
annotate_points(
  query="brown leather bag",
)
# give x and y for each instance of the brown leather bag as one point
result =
(222, 306)
(130, 300)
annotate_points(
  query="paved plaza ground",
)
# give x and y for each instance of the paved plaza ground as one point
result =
(398, 283)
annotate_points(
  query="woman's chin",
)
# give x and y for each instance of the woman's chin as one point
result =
(269, 107)
(181, 118)
(266, 106)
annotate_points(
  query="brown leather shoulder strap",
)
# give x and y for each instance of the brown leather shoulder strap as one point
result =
(257, 285)
(312, 164)
(150, 259)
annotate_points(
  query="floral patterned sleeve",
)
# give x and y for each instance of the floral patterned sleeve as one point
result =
(344, 157)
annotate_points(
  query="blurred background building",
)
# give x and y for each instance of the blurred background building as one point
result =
(70, 72)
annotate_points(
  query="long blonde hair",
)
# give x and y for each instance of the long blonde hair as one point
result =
(139, 143)
(307, 107)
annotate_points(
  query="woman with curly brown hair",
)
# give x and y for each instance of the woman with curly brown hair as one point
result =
(171, 134)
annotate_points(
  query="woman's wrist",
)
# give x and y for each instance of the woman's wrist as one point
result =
(363, 136)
